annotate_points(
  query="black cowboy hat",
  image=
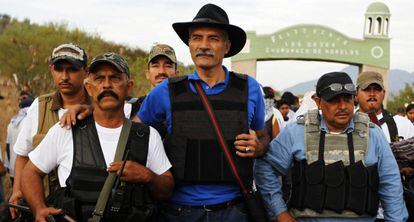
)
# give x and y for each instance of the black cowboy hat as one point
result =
(213, 15)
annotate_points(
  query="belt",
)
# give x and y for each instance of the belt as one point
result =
(220, 206)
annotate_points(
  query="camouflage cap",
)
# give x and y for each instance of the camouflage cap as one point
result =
(71, 53)
(369, 77)
(162, 50)
(111, 58)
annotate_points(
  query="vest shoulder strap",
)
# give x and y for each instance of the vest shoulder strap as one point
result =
(392, 126)
(45, 104)
(46, 118)
(177, 79)
(312, 122)
(239, 75)
(138, 142)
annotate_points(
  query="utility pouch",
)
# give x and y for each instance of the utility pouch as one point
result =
(315, 186)
(115, 203)
(335, 186)
(373, 183)
(357, 187)
(176, 149)
(298, 185)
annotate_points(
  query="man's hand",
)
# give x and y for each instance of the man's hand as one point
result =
(133, 172)
(253, 144)
(407, 171)
(284, 217)
(14, 199)
(246, 145)
(78, 111)
(42, 213)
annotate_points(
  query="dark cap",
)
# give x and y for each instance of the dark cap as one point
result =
(325, 87)
(111, 58)
(369, 77)
(162, 50)
(268, 92)
(289, 98)
(71, 53)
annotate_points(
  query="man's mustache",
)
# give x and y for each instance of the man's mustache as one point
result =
(204, 53)
(107, 93)
(340, 113)
(161, 75)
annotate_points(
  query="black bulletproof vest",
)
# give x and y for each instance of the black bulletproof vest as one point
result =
(88, 173)
(269, 127)
(392, 126)
(136, 105)
(193, 147)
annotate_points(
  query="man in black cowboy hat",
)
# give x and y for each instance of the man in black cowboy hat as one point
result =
(207, 190)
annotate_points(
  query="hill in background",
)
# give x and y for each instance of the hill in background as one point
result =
(397, 79)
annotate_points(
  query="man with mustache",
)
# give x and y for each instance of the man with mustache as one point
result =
(68, 68)
(341, 163)
(85, 153)
(207, 190)
(370, 94)
(162, 64)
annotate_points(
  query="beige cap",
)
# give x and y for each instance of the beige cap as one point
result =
(369, 77)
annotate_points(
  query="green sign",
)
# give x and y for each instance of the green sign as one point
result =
(318, 43)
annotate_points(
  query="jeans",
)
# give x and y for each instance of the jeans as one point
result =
(178, 213)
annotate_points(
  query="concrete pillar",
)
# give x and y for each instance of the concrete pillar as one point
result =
(245, 67)
(384, 73)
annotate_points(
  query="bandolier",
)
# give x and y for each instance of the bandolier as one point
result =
(333, 181)
(128, 202)
(193, 137)
(49, 105)
(392, 126)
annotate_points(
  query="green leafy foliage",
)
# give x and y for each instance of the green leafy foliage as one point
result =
(25, 50)
(405, 97)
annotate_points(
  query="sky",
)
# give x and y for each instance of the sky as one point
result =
(141, 23)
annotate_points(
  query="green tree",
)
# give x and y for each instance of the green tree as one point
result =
(25, 50)
(405, 96)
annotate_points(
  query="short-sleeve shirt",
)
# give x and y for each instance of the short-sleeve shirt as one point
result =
(156, 109)
(24, 144)
(56, 149)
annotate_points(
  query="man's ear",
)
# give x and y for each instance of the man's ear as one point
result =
(130, 86)
(228, 44)
(318, 102)
(88, 87)
(147, 75)
(85, 75)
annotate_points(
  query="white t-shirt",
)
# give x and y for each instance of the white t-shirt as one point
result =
(404, 126)
(279, 118)
(56, 149)
(12, 133)
(24, 142)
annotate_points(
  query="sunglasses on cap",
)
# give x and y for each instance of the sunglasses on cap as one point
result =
(336, 87)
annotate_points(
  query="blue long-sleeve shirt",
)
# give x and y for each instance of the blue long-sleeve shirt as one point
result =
(290, 144)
